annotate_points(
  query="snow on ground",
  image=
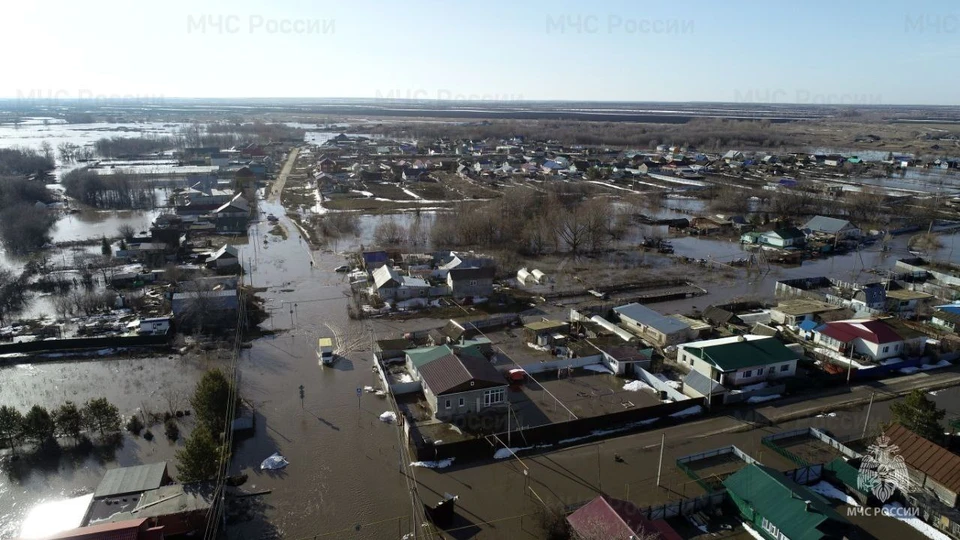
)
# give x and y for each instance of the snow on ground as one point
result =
(752, 532)
(761, 399)
(940, 364)
(599, 368)
(909, 370)
(412, 194)
(676, 385)
(676, 180)
(752, 387)
(897, 511)
(827, 490)
(605, 432)
(442, 464)
(890, 361)
(614, 187)
(840, 358)
(504, 453)
(405, 378)
(537, 347)
(829, 414)
(636, 386)
(364, 193)
(388, 417)
(696, 409)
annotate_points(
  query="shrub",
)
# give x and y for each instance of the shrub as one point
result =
(135, 425)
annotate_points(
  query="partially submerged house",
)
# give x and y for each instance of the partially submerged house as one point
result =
(783, 238)
(225, 257)
(390, 285)
(232, 217)
(835, 228)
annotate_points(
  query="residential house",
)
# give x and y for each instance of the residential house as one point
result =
(651, 326)
(946, 316)
(783, 238)
(873, 339)
(710, 224)
(781, 509)
(906, 302)
(225, 257)
(606, 517)
(462, 384)
(130, 480)
(374, 259)
(206, 309)
(837, 228)
(794, 312)
(327, 165)
(232, 217)
(869, 297)
(465, 282)
(390, 285)
(545, 332)
(739, 360)
(178, 510)
(930, 466)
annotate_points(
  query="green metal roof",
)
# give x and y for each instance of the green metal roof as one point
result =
(743, 354)
(784, 503)
(425, 355)
(845, 473)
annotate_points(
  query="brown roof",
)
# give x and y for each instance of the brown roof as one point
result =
(615, 518)
(453, 373)
(927, 457)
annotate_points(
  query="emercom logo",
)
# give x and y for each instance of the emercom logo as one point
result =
(883, 470)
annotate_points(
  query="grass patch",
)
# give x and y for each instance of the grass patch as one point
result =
(376, 206)
(388, 191)
(279, 230)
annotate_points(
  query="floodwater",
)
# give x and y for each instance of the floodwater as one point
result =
(132, 384)
(33, 133)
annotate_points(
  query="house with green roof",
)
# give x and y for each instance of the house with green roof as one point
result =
(781, 509)
(421, 356)
(739, 360)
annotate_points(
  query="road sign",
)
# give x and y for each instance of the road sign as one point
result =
(359, 391)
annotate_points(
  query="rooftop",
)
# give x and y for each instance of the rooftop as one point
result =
(827, 225)
(123, 480)
(737, 352)
(906, 294)
(648, 317)
(927, 457)
(872, 331)
(454, 373)
(540, 326)
(804, 307)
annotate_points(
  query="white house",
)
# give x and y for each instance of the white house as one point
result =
(739, 360)
(647, 324)
(873, 339)
(155, 326)
(783, 238)
(839, 228)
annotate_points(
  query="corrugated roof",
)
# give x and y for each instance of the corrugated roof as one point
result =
(131, 479)
(731, 354)
(703, 384)
(457, 274)
(615, 518)
(785, 503)
(424, 355)
(826, 225)
(648, 317)
(545, 325)
(907, 294)
(872, 331)
(124, 530)
(455, 373)
(927, 457)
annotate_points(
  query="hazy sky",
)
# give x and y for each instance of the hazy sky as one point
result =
(885, 52)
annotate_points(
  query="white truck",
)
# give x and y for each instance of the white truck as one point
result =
(325, 351)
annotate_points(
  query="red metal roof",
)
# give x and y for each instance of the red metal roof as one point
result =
(614, 518)
(134, 529)
(872, 331)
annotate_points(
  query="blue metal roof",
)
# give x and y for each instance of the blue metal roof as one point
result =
(649, 317)
(807, 325)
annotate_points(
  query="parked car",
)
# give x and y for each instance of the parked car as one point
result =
(342, 269)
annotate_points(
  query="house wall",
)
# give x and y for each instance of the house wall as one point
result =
(757, 374)
(580, 361)
(473, 402)
(475, 287)
(942, 323)
(654, 336)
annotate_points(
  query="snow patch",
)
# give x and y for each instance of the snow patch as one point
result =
(827, 490)
(752, 532)
(405, 378)
(938, 365)
(388, 417)
(897, 511)
(761, 399)
(691, 411)
(909, 370)
(442, 464)
(636, 386)
(599, 368)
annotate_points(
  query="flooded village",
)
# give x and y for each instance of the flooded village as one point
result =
(306, 325)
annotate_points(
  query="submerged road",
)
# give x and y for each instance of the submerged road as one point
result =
(277, 188)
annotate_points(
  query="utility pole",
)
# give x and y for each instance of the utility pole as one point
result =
(301, 396)
(599, 479)
(850, 363)
(663, 438)
(867, 421)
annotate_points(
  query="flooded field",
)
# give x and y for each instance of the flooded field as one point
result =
(132, 384)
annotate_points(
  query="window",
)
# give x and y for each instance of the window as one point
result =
(886, 349)
(447, 403)
(896, 347)
(747, 373)
(492, 397)
(461, 402)
(785, 367)
(473, 283)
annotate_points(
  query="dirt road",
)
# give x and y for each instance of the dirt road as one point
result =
(277, 187)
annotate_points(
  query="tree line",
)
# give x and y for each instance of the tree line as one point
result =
(204, 452)
(111, 192)
(40, 426)
(23, 228)
(25, 161)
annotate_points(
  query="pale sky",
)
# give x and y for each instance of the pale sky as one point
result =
(883, 52)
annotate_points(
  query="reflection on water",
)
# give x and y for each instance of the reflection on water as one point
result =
(49, 518)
